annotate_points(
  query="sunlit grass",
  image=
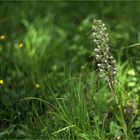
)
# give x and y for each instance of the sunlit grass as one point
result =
(48, 86)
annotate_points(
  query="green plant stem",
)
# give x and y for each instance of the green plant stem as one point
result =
(113, 92)
(120, 109)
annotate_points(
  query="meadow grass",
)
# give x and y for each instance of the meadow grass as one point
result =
(49, 88)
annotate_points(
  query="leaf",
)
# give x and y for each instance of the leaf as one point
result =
(131, 72)
(131, 84)
(8, 131)
(63, 129)
(115, 129)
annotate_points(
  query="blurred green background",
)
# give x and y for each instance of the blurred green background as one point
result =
(46, 45)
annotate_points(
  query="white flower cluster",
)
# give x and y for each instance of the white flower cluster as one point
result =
(105, 61)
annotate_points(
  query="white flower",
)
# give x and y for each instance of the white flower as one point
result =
(105, 60)
(98, 65)
(96, 50)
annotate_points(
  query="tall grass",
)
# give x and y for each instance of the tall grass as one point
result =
(51, 89)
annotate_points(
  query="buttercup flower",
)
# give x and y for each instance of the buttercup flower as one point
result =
(37, 86)
(1, 82)
(2, 37)
(20, 45)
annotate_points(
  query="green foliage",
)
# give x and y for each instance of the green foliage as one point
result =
(115, 130)
(48, 87)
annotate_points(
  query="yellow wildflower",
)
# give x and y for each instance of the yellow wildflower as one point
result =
(37, 86)
(2, 37)
(1, 82)
(20, 45)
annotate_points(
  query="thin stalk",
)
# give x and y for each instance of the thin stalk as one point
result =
(111, 87)
(113, 92)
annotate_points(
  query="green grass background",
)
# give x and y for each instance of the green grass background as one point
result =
(71, 103)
